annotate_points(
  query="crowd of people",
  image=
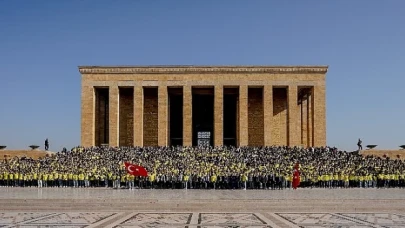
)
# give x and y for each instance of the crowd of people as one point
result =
(203, 168)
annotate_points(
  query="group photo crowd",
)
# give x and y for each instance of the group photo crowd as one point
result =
(203, 168)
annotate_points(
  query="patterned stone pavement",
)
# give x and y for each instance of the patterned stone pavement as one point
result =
(94, 208)
(200, 220)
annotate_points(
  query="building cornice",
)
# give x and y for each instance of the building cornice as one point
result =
(200, 69)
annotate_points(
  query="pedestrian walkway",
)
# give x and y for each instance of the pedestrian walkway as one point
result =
(59, 207)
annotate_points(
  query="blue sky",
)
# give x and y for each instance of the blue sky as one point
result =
(43, 42)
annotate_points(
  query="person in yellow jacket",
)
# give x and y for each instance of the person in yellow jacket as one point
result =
(55, 179)
(186, 178)
(131, 181)
(64, 179)
(123, 179)
(244, 181)
(5, 178)
(40, 179)
(346, 180)
(1, 180)
(75, 178)
(21, 180)
(50, 180)
(109, 179)
(70, 179)
(35, 179)
(25, 180)
(45, 180)
(213, 181)
(15, 178)
(87, 180)
(81, 180)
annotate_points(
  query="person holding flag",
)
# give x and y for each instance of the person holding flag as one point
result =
(135, 170)
(296, 176)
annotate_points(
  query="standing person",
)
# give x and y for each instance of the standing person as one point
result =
(296, 177)
(360, 147)
(46, 144)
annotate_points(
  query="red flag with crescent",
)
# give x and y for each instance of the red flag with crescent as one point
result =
(135, 170)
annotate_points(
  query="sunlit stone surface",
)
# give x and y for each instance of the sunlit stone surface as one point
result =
(54, 207)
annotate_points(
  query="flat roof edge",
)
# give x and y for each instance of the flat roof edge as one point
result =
(199, 69)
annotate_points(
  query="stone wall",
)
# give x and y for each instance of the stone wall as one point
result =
(35, 154)
(255, 117)
(389, 153)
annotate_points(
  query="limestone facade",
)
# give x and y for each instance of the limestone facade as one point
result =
(275, 105)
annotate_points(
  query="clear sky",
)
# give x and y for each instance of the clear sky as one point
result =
(43, 42)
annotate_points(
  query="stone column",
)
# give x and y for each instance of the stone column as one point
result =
(113, 115)
(138, 116)
(304, 121)
(293, 115)
(187, 116)
(243, 115)
(268, 113)
(319, 113)
(162, 115)
(310, 121)
(88, 116)
(219, 116)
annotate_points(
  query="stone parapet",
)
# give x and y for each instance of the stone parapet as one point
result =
(389, 153)
(200, 69)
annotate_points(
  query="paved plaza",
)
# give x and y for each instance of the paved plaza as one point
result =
(54, 207)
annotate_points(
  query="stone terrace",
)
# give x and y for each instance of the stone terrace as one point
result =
(54, 207)
(302, 200)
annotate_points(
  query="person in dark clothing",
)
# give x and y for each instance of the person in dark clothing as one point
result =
(46, 144)
(359, 145)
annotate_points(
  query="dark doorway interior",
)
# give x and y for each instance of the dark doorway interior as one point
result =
(101, 116)
(230, 117)
(203, 117)
(176, 116)
(126, 116)
(150, 116)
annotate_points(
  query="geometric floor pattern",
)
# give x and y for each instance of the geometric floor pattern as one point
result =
(312, 220)
(200, 220)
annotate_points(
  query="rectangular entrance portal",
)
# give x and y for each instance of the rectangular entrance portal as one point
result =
(175, 116)
(230, 116)
(101, 116)
(203, 116)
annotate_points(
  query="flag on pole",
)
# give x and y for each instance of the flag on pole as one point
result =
(135, 170)
(296, 176)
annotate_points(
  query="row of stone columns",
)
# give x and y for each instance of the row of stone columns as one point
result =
(315, 114)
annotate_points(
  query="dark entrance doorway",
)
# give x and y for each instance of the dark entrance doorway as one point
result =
(102, 116)
(176, 116)
(203, 116)
(230, 116)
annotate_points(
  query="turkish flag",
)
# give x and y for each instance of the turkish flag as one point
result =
(135, 170)
(296, 177)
